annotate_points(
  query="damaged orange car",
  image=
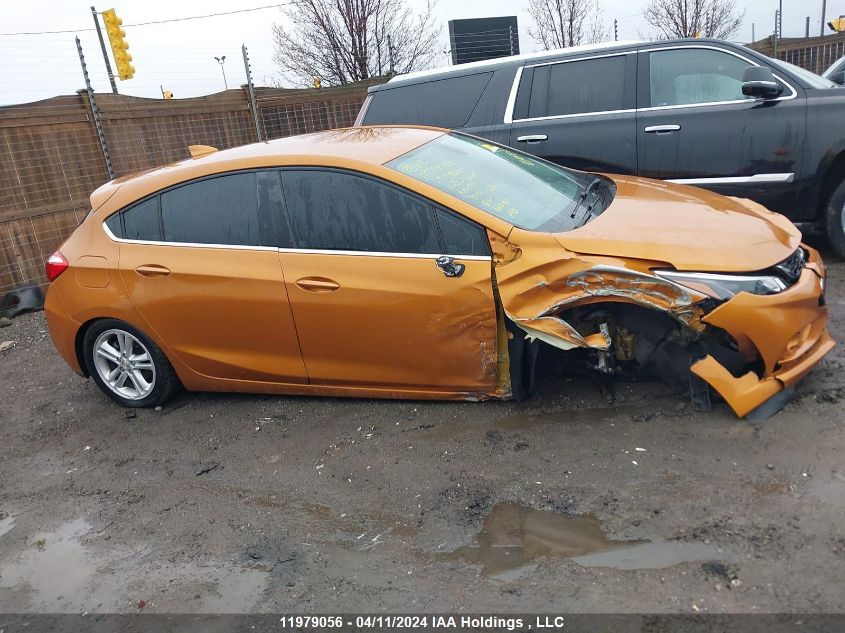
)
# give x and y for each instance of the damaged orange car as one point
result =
(419, 263)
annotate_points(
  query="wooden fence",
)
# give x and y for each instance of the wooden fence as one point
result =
(811, 53)
(51, 159)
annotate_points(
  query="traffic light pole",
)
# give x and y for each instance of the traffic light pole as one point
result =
(105, 54)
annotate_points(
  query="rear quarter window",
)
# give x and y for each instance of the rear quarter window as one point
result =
(441, 103)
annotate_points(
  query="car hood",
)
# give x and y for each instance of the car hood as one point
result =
(687, 227)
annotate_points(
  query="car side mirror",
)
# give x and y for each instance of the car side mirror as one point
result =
(838, 77)
(760, 83)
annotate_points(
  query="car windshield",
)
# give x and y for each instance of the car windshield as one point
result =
(814, 80)
(507, 184)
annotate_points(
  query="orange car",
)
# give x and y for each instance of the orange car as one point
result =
(413, 262)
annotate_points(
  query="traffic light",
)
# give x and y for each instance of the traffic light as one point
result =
(837, 24)
(119, 47)
(317, 82)
(167, 94)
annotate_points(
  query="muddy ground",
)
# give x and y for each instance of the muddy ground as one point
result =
(231, 503)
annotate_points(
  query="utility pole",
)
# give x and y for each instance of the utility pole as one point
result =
(95, 111)
(775, 47)
(780, 19)
(807, 27)
(221, 61)
(105, 54)
(390, 54)
(753, 37)
(616, 30)
(251, 94)
(824, 11)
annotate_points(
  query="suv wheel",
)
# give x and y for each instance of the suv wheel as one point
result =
(835, 219)
(127, 365)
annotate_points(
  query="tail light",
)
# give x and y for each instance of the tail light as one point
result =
(56, 265)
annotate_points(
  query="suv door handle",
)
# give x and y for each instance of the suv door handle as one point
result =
(152, 270)
(661, 129)
(532, 138)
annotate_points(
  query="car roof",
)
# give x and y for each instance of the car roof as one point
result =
(346, 147)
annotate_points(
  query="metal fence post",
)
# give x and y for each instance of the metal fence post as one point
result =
(95, 112)
(251, 94)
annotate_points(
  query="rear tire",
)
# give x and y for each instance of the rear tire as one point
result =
(834, 219)
(127, 365)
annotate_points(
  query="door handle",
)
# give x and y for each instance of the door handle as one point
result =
(152, 270)
(532, 138)
(449, 267)
(317, 284)
(661, 129)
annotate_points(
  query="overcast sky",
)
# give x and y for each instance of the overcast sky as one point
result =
(180, 55)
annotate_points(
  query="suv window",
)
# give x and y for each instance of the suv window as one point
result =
(590, 85)
(683, 76)
(220, 210)
(442, 103)
(337, 211)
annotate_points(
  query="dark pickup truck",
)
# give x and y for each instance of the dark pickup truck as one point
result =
(699, 111)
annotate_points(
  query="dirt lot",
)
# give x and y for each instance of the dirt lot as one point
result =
(224, 503)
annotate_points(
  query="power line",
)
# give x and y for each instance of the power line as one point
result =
(191, 17)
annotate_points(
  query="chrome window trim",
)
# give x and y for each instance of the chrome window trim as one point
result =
(734, 180)
(304, 251)
(240, 247)
(322, 251)
(793, 95)
(508, 119)
(512, 96)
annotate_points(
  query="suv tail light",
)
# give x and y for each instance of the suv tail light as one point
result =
(56, 265)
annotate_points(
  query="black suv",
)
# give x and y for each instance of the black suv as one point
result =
(701, 112)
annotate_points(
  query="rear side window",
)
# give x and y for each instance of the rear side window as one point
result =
(221, 210)
(141, 222)
(337, 211)
(442, 103)
(577, 87)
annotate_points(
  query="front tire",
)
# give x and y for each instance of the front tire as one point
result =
(834, 219)
(127, 365)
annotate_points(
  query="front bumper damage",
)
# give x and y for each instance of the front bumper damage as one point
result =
(786, 331)
(782, 335)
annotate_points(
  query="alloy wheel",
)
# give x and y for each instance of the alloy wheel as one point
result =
(124, 364)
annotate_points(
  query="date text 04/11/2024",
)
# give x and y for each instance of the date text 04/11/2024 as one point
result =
(424, 622)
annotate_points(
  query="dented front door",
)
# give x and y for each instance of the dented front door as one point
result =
(373, 302)
(367, 320)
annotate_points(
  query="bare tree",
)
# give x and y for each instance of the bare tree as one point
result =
(694, 18)
(563, 23)
(341, 41)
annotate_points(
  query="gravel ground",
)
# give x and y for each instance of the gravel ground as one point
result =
(231, 503)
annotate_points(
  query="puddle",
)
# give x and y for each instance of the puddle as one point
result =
(56, 574)
(514, 537)
(654, 555)
(7, 524)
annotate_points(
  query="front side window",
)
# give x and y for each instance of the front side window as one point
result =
(339, 211)
(507, 184)
(684, 76)
(221, 210)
